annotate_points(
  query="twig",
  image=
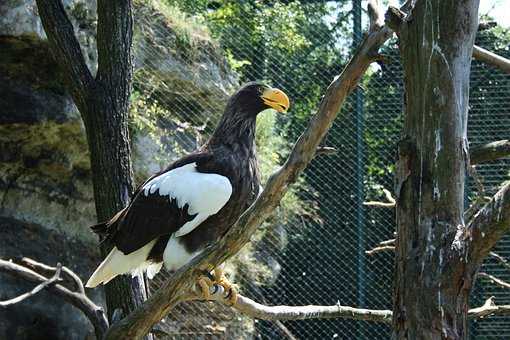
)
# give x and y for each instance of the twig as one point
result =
(494, 279)
(390, 204)
(285, 330)
(36, 289)
(27, 262)
(379, 204)
(325, 150)
(379, 249)
(500, 259)
(387, 242)
(94, 313)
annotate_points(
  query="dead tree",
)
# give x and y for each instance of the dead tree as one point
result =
(434, 269)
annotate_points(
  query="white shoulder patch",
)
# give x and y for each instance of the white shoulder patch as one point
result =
(204, 193)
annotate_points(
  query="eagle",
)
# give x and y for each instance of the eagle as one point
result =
(179, 211)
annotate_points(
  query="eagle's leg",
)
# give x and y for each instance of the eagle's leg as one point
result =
(205, 282)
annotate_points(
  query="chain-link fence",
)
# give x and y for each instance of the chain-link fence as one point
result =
(313, 250)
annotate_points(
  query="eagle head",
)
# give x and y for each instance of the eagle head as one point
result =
(255, 97)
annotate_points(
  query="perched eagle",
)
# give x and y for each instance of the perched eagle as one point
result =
(176, 213)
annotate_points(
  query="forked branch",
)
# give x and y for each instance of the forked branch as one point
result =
(77, 298)
(45, 284)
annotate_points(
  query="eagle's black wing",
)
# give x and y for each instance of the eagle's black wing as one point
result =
(153, 213)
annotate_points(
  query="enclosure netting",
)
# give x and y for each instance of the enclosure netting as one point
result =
(317, 255)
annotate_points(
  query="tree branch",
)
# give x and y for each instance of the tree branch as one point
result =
(389, 197)
(504, 262)
(489, 308)
(260, 311)
(325, 150)
(490, 58)
(272, 313)
(490, 223)
(379, 249)
(285, 313)
(490, 151)
(140, 321)
(498, 281)
(93, 312)
(29, 263)
(37, 289)
(66, 49)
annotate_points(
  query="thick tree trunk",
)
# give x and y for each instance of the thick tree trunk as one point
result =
(103, 102)
(433, 275)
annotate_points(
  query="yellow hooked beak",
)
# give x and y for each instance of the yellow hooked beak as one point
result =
(276, 99)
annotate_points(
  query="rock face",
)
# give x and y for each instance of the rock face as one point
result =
(45, 184)
(43, 316)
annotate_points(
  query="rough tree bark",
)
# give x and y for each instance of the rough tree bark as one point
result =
(434, 273)
(103, 102)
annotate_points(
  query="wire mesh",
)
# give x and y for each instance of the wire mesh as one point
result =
(316, 253)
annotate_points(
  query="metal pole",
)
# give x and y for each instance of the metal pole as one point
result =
(360, 165)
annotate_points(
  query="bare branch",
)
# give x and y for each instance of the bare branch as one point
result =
(494, 279)
(379, 249)
(493, 59)
(66, 48)
(36, 289)
(489, 308)
(259, 311)
(283, 313)
(388, 242)
(93, 312)
(490, 223)
(140, 321)
(325, 150)
(500, 259)
(273, 313)
(379, 204)
(390, 204)
(27, 262)
(490, 151)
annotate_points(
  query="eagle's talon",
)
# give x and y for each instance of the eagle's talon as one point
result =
(231, 296)
(205, 287)
(231, 291)
(207, 281)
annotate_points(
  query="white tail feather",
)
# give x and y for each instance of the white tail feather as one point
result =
(116, 263)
